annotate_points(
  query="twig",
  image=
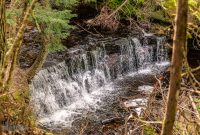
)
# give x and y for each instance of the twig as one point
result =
(194, 91)
(194, 107)
(7, 93)
(193, 77)
(161, 89)
(36, 22)
(83, 128)
(147, 122)
(138, 127)
(114, 12)
(190, 121)
(192, 70)
(96, 35)
(187, 110)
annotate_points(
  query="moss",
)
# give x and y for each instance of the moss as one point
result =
(48, 133)
(197, 100)
(148, 130)
(159, 16)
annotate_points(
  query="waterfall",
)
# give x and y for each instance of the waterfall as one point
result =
(162, 54)
(61, 91)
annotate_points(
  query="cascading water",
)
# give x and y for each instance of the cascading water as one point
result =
(74, 87)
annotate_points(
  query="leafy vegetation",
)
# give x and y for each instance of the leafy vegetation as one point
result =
(149, 130)
(132, 8)
(193, 15)
(53, 18)
(56, 25)
(56, 21)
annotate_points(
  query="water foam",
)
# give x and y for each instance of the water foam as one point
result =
(72, 89)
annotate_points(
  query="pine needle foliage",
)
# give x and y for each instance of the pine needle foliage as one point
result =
(56, 21)
(65, 3)
(88, 1)
(52, 16)
(56, 25)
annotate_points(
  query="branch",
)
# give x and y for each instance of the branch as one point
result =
(192, 70)
(36, 22)
(3, 46)
(96, 35)
(39, 60)
(143, 121)
(194, 107)
(19, 36)
(113, 13)
(6, 93)
(194, 91)
(14, 49)
(188, 119)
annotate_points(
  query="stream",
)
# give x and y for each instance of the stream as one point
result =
(91, 78)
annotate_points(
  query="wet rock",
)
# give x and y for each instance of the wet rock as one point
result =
(55, 58)
(30, 47)
(146, 88)
(149, 40)
(115, 120)
(114, 47)
(85, 11)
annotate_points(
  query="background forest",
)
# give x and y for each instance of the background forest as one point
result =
(33, 31)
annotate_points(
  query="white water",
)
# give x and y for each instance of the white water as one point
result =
(72, 89)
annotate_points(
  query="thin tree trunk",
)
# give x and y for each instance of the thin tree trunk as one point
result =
(14, 49)
(2, 46)
(39, 61)
(2, 38)
(176, 67)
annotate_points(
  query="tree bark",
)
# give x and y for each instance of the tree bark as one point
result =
(2, 37)
(176, 66)
(39, 60)
(12, 53)
(2, 45)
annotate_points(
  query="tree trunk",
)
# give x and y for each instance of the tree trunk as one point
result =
(12, 53)
(2, 46)
(39, 60)
(176, 66)
(2, 37)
